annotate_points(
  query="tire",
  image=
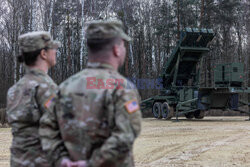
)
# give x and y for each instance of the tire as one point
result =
(199, 114)
(156, 110)
(189, 115)
(166, 111)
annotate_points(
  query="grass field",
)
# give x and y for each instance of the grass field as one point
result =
(213, 141)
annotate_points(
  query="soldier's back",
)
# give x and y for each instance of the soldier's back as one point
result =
(87, 111)
(23, 113)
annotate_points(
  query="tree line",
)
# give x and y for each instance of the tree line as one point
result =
(154, 26)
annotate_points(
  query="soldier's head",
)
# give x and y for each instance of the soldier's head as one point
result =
(106, 41)
(37, 48)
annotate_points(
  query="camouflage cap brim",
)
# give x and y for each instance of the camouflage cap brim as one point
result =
(125, 37)
(54, 45)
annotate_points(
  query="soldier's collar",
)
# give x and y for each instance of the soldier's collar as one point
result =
(99, 65)
(34, 71)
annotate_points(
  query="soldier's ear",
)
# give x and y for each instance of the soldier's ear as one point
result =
(116, 51)
(43, 54)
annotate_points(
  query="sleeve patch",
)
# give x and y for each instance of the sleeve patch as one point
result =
(132, 106)
(49, 101)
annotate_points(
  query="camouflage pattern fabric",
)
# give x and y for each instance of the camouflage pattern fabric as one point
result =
(100, 29)
(97, 123)
(27, 100)
(33, 41)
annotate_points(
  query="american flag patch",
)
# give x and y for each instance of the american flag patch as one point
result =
(49, 101)
(132, 106)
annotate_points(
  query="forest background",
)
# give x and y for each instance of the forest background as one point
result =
(154, 26)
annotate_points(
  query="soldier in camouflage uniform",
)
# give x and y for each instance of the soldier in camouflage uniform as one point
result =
(97, 110)
(30, 97)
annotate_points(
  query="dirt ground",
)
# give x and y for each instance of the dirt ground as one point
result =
(213, 141)
(5, 141)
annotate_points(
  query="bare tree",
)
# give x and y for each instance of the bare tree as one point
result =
(50, 14)
(82, 36)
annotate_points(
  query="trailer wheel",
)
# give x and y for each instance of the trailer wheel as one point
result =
(189, 115)
(166, 111)
(157, 110)
(199, 114)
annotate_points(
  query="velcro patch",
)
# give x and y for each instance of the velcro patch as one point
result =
(132, 106)
(49, 101)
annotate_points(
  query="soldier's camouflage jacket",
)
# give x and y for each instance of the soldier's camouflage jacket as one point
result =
(98, 116)
(27, 100)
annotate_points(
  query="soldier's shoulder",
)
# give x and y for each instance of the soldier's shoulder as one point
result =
(125, 88)
(27, 81)
(33, 82)
(127, 83)
(73, 80)
(24, 84)
(11, 91)
(43, 79)
(99, 72)
(42, 82)
(35, 79)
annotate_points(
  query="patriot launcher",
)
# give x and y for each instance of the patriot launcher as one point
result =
(182, 94)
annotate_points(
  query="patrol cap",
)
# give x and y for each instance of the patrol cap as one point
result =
(37, 40)
(106, 29)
